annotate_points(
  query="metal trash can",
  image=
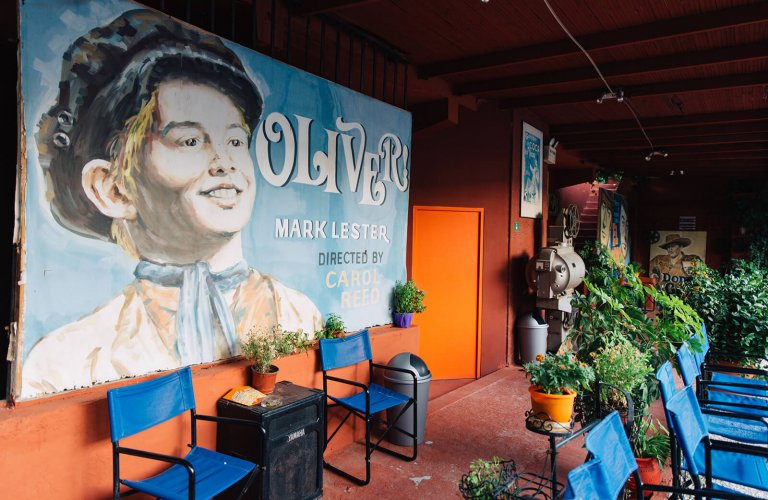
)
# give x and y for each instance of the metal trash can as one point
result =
(533, 331)
(403, 384)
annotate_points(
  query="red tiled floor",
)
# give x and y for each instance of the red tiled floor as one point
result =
(479, 419)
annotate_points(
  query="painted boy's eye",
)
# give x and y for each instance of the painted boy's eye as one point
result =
(236, 142)
(191, 142)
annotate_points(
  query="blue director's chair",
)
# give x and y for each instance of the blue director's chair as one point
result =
(368, 401)
(202, 473)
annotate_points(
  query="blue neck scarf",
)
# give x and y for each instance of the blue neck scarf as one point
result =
(202, 308)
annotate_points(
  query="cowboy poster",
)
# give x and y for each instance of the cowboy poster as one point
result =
(673, 253)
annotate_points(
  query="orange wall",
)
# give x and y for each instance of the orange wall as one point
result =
(476, 163)
(59, 446)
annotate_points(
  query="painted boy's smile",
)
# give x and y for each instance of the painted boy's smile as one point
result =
(198, 182)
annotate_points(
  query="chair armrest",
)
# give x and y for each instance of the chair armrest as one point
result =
(157, 456)
(230, 420)
(395, 369)
(348, 382)
(735, 447)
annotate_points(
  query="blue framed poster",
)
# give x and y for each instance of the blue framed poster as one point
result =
(531, 186)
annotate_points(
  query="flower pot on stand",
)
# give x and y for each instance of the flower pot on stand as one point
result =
(650, 473)
(558, 407)
(264, 382)
(402, 320)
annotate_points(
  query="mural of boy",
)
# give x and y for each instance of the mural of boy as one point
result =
(148, 147)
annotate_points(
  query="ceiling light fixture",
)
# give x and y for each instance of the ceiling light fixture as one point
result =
(610, 93)
(655, 152)
(618, 95)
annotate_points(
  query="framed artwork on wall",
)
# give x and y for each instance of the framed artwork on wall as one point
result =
(531, 186)
(672, 255)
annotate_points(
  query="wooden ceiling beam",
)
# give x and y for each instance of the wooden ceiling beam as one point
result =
(693, 165)
(569, 129)
(690, 156)
(651, 89)
(667, 28)
(717, 129)
(677, 141)
(619, 69)
(310, 7)
(755, 146)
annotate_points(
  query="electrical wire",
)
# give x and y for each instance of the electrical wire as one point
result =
(600, 74)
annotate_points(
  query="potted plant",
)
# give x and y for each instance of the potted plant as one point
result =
(408, 299)
(734, 306)
(621, 364)
(488, 478)
(262, 345)
(650, 444)
(334, 327)
(555, 381)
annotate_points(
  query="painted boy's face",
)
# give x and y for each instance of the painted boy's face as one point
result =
(197, 180)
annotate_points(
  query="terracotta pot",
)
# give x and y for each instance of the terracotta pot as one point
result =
(559, 407)
(264, 382)
(402, 320)
(650, 473)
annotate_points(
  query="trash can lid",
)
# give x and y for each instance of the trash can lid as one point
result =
(408, 361)
(531, 321)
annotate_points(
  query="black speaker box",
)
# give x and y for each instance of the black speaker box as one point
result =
(292, 451)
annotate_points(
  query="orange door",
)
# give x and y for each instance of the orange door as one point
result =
(447, 263)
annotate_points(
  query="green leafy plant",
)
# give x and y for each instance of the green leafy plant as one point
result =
(558, 373)
(408, 298)
(334, 327)
(734, 305)
(623, 365)
(650, 440)
(488, 478)
(263, 344)
(612, 309)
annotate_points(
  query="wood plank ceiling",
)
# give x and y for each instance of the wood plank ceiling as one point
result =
(694, 71)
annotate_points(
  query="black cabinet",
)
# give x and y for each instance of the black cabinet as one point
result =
(293, 449)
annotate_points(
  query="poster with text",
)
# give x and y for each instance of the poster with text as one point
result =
(182, 191)
(673, 253)
(531, 187)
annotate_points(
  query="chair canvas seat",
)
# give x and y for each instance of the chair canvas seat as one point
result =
(349, 351)
(738, 429)
(691, 431)
(690, 373)
(728, 397)
(747, 470)
(136, 408)
(381, 399)
(735, 379)
(212, 470)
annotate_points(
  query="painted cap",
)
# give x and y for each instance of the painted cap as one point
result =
(107, 76)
